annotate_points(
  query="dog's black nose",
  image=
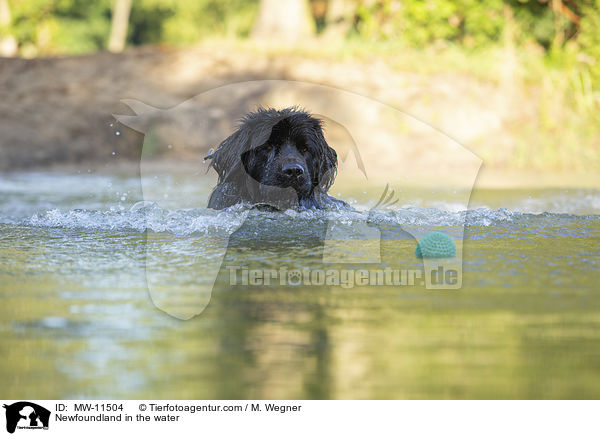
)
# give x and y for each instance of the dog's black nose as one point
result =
(293, 170)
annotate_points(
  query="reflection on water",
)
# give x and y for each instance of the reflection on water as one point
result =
(77, 320)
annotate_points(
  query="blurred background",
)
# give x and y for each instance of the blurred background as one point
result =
(517, 82)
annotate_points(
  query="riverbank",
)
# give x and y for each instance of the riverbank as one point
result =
(58, 111)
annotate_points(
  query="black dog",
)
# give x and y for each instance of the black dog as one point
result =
(278, 159)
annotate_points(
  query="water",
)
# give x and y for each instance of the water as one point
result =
(78, 321)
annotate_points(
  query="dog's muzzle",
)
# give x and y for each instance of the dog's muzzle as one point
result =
(293, 170)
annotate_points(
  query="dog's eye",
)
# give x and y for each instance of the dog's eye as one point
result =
(269, 147)
(305, 149)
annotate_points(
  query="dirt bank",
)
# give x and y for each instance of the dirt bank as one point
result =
(59, 111)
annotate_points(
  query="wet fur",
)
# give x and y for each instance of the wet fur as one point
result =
(249, 174)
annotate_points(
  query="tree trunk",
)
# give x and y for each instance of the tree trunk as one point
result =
(120, 23)
(339, 19)
(8, 43)
(287, 21)
(559, 33)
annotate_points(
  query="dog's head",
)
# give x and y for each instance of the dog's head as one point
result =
(282, 149)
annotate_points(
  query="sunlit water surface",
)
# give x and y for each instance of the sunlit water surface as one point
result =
(78, 321)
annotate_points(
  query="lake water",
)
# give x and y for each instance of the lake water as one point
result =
(78, 251)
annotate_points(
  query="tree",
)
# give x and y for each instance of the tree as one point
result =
(8, 43)
(339, 18)
(120, 23)
(287, 21)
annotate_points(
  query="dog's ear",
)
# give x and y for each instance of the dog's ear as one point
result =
(327, 161)
(248, 161)
(225, 160)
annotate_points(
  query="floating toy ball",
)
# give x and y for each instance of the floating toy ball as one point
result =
(435, 245)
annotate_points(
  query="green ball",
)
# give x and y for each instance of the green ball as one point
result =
(435, 245)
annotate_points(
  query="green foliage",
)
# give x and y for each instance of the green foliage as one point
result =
(570, 50)
(589, 38)
(82, 26)
(186, 22)
(422, 22)
(61, 26)
(45, 27)
(470, 22)
(535, 21)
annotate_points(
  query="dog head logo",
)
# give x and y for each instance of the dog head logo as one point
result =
(395, 150)
(26, 415)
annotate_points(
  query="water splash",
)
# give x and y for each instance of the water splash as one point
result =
(148, 216)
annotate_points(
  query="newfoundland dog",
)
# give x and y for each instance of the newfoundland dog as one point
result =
(276, 159)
